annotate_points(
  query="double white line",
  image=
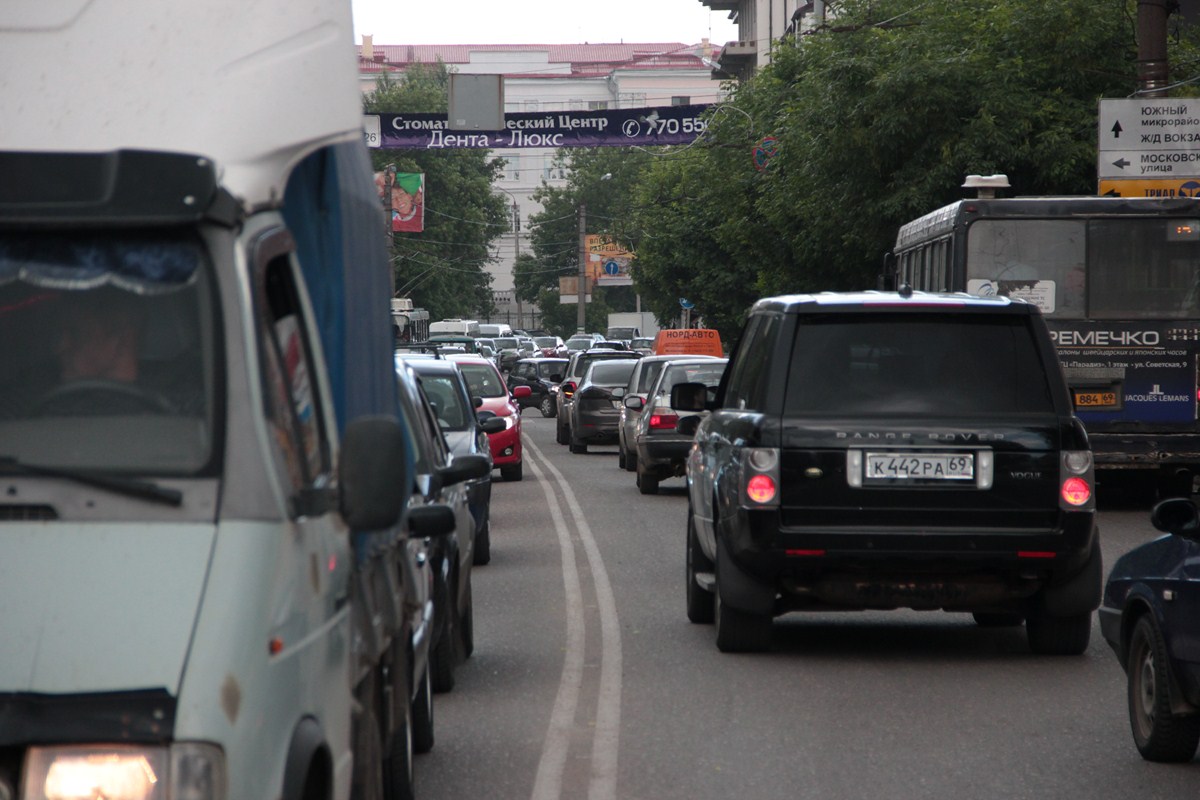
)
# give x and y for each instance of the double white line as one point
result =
(602, 784)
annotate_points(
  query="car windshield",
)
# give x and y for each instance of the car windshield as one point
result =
(708, 374)
(506, 343)
(579, 344)
(612, 373)
(111, 362)
(483, 380)
(916, 364)
(546, 341)
(446, 400)
(646, 343)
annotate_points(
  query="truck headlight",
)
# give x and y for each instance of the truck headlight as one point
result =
(183, 771)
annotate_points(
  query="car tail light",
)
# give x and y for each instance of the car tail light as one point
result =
(1076, 479)
(761, 489)
(1076, 492)
(568, 388)
(760, 477)
(663, 419)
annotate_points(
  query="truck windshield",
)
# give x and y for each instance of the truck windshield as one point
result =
(116, 365)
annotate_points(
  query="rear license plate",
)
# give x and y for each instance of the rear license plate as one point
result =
(919, 467)
(1096, 399)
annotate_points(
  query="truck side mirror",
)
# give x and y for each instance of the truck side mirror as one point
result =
(373, 472)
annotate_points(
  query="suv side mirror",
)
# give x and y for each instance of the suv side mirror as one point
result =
(618, 392)
(633, 402)
(689, 397)
(373, 470)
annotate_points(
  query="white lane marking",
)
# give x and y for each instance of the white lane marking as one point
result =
(548, 783)
(605, 742)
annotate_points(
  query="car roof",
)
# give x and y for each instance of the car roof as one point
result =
(795, 303)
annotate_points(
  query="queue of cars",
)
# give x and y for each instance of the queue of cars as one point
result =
(462, 425)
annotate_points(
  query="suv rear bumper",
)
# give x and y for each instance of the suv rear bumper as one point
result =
(982, 569)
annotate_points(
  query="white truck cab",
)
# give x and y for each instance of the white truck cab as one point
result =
(203, 477)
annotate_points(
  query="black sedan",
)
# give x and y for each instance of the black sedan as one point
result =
(1150, 617)
(541, 375)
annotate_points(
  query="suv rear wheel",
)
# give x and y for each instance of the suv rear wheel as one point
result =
(739, 631)
(699, 601)
(1058, 636)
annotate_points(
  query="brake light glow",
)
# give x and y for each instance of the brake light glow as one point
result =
(1075, 491)
(1035, 554)
(568, 388)
(761, 489)
(804, 552)
(662, 418)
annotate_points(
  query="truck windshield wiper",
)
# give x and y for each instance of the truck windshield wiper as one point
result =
(131, 487)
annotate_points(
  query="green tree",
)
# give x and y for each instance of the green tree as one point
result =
(875, 120)
(442, 268)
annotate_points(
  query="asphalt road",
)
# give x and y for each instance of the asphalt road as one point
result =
(588, 681)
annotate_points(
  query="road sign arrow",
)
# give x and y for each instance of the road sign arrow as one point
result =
(1120, 163)
(1111, 193)
(1116, 129)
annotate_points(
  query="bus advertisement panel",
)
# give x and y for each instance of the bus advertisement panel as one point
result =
(1118, 280)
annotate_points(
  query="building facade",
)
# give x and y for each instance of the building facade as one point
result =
(761, 24)
(538, 78)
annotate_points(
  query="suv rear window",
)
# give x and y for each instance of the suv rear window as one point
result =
(916, 364)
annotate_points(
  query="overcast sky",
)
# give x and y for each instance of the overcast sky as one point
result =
(539, 21)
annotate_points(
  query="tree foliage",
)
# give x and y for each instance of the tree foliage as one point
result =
(442, 268)
(876, 120)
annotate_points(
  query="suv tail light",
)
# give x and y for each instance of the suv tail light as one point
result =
(568, 388)
(760, 477)
(1076, 481)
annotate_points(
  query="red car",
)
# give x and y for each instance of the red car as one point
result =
(485, 382)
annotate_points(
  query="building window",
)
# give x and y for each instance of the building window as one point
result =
(575, 105)
(531, 105)
(512, 168)
(681, 100)
(597, 105)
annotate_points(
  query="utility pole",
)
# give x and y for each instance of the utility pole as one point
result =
(580, 313)
(516, 226)
(1153, 72)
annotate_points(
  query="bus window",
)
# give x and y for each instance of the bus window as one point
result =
(1167, 281)
(1039, 260)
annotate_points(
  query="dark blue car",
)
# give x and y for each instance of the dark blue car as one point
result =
(1151, 617)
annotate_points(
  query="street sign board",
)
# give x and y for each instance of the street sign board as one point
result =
(1151, 137)
(1170, 187)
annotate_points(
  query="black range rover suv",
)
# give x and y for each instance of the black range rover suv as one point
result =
(891, 450)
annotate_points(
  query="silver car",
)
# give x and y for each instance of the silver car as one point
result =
(661, 450)
(640, 382)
